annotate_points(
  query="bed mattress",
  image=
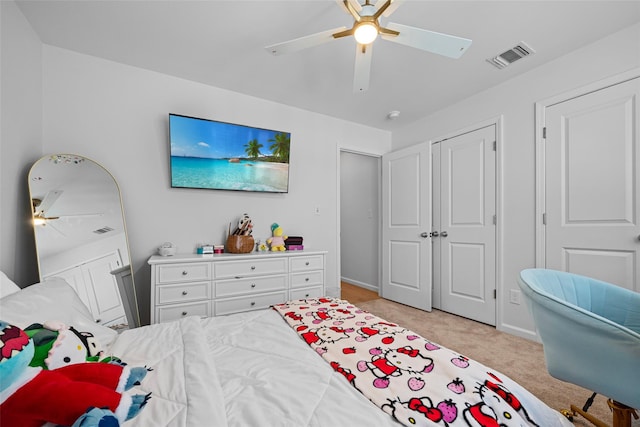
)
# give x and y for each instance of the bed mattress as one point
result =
(246, 369)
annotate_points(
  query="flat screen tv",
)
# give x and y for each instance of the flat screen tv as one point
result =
(224, 156)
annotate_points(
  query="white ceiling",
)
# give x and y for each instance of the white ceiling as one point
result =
(221, 43)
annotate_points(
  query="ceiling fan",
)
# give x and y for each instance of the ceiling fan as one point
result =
(366, 28)
(41, 206)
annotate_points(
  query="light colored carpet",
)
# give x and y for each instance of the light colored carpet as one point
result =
(518, 358)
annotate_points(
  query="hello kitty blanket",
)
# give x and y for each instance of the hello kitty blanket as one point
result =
(416, 381)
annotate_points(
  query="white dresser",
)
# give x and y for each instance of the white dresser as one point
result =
(213, 285)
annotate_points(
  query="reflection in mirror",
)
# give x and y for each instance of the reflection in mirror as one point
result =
(81, 236)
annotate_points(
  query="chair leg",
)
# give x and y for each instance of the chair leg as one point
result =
(570, 413)
(578, 411)
(621, 414)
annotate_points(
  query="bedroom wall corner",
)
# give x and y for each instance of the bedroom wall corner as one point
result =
(20, 140)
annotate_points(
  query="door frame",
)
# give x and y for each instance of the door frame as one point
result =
(540, 121)
(498, 122)
(378, 156)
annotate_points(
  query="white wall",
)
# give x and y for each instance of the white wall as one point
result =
(20, 139)
(117, 115)
(515, 100)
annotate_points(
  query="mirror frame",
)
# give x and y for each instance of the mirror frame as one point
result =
(123, 276)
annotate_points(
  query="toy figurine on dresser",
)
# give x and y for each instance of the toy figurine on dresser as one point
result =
(276, 242)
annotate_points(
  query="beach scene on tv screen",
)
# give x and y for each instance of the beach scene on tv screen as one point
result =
(225, 156)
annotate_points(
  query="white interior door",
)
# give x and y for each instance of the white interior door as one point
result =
(464, 229)
(592, 185)
(406, 222)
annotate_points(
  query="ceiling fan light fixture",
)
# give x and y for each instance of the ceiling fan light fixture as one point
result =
(366, 32)
(38, 220)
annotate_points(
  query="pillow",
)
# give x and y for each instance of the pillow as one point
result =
(52, 299)
(7, 287)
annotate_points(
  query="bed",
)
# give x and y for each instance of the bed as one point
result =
(272, 367)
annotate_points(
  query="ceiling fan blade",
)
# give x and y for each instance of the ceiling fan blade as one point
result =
(362, 69)
(431, 41)
(82, 215)
(352, 7)
(303, 42)
(48, 201)
(394, 4)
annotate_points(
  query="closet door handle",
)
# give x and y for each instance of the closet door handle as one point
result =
(444, 234)
(424, 235)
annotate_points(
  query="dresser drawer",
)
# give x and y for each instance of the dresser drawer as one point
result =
(309, 278)
(232, 287)
(254, 267)
(251, 302)
(305, 263)
(305, 293)
(179, 293)
(175, 273)
(175, 312)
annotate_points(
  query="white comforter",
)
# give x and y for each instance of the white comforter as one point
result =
(248, 369)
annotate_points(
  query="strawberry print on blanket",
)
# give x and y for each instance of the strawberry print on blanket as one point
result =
(416, 381)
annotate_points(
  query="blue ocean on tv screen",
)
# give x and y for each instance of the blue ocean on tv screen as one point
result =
(225, 156)
(245, 175)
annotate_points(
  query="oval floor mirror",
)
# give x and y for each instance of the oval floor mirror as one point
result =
(81, 235)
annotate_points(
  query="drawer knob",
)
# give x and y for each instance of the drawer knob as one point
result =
(184, 292)
(253, 267)
(98, 320)
(306, 295)
(184, 313)
(306, 279)
(306, 263)
(252, 303)
(253, 285)
(185, 272)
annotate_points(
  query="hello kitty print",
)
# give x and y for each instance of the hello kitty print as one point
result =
(416, 381)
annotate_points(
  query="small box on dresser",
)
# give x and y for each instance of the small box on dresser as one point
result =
(212, 285)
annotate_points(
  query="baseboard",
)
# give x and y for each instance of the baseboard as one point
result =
(360, 284)
(519, 332)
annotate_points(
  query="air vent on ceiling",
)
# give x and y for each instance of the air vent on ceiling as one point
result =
(512, 55)
(103, 230)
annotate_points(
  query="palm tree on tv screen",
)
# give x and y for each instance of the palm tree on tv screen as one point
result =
(280, 146)
(252, 148)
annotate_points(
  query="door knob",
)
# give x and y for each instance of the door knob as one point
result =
(425, 235)
(444, 234)
(434, 234)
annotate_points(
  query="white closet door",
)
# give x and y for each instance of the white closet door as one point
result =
(406, 223)
(466, 242)
(592, 185)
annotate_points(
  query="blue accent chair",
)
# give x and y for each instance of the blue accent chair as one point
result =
(590, 331)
